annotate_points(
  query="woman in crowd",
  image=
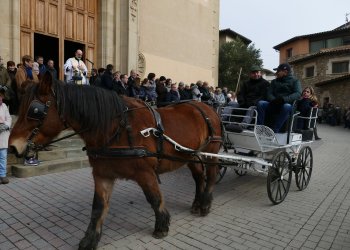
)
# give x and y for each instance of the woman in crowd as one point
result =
(304, 105)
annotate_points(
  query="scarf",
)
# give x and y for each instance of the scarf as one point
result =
(29, 73)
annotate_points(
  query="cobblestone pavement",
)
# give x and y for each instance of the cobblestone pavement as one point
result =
(53, 211)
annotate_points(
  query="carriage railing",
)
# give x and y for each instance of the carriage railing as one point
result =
(265, 139)
(234, 115)
(312, 118)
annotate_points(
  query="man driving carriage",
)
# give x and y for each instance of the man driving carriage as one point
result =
(251, 92)
(281, 94)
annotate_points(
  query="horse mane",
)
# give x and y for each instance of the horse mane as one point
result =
(93, 107)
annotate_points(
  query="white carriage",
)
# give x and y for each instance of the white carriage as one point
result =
(258, 148)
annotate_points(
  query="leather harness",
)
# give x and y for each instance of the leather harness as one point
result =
(38, 111)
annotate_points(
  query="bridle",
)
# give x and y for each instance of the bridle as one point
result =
(36, 111)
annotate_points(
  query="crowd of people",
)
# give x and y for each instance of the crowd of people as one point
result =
(157, 91)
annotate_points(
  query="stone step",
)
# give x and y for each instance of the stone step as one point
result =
(50, 166)
(55, 154)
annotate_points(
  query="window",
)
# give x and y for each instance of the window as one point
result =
(310, 71)
(316, 46)
(346, 40)
(334, 42)
(289, 53)
(340, 67)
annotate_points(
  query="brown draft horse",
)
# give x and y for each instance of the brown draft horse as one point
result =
(110, 126)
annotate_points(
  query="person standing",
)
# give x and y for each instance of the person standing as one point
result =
(12, 70)
(107, 78)
(5, 81)
(5, 124)
(25, 75)
(281, 94)
(121, 87)
(75, 69)
(51, 69)
(173, 95)
(133, 89)
(184, 94)
(41, 66)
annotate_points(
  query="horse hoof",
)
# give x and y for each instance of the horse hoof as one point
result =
(159, 235)
(204, 211)
(195, 210)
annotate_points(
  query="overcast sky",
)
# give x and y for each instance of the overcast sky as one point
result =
(269, 23)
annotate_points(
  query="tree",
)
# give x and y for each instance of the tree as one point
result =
(233, 56)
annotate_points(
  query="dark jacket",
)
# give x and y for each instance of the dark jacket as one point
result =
(185, 94)
(161, 92)
(205, 94)
(251, 92)
(53, 72)
(287, 87)
(133, 90)
(172, 96)
(119, 88)
(107, 80)
(304, 106)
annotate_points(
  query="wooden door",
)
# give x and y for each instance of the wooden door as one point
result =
(73, 20)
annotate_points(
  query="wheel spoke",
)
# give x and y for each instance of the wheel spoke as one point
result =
(274, 185)
(278, 189)
(284, 187)
(303, 181)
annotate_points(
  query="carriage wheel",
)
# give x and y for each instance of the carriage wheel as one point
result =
(279, 177)
(240, 172)
(220, 174)
(304, 168)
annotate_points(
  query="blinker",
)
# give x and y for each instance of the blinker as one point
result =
(37, 110)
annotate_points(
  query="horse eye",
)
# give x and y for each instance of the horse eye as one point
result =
(36, 110)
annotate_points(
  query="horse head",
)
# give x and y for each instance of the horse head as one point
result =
(38, 119)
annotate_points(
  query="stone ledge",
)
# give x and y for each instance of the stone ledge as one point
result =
(48, 167)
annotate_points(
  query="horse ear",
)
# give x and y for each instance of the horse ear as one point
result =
(45, 83)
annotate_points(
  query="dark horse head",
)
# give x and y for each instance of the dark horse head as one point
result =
(113, 128)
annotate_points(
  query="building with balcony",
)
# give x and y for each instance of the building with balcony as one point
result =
(322, 60)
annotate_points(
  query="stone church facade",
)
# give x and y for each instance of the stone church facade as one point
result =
(178, 39)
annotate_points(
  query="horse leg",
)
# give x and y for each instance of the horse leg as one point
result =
(199, 178)
(149, 184)
(100, 206)
(207, 195)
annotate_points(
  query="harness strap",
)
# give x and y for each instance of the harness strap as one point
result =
(160, 132)
(207, 120)
(119, 152)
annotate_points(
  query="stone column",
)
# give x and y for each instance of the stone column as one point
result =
(10, 30)
(118, 39)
